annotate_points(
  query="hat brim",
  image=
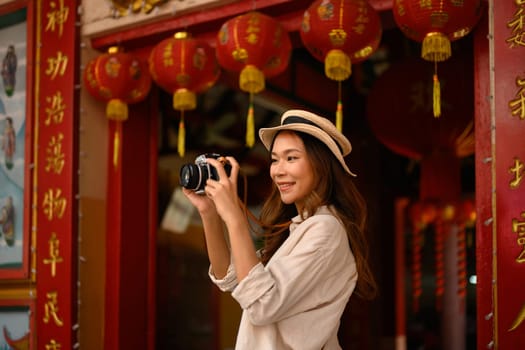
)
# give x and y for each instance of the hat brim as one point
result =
(267, 135)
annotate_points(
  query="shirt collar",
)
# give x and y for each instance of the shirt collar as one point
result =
(297, 220)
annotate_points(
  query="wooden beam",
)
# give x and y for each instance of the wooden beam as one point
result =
(205, 23)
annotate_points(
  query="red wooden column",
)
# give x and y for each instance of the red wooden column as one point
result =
(500, 171)
(55, 179)
(131, 227)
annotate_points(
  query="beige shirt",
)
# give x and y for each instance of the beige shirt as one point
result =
(296, 300)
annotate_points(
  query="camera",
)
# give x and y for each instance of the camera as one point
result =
(194, 176)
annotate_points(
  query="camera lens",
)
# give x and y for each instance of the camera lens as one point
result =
(190, 177)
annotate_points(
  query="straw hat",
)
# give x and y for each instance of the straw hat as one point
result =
(310, 123)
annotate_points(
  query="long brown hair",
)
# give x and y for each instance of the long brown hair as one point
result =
(335, 188)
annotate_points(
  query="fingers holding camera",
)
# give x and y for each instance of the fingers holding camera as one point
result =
(234, 172)
(220, 165)
(223, 191)
(201, 203)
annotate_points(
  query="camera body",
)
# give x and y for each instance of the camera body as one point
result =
(194, 176)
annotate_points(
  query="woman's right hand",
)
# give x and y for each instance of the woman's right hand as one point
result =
(202, 203)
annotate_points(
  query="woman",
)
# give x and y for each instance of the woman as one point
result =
(294, 290)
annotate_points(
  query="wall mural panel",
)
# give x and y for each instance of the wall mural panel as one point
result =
(13, 96)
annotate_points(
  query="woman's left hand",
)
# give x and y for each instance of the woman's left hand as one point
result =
(223, 192)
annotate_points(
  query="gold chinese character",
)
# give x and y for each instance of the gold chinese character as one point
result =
(55, 112)
(53, 345)
(519, 319)
(51, 309)
(57, 16)
(517, 171)
(518, 104)
(419, 96)
(54, 254)
(55, 156)
(54, 204)
(427, 4)
(56, 65)
(167, 57)
(519, 228)
(359, 28)
(516, 25)
(337, 36)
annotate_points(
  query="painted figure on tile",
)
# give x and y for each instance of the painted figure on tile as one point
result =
(9, 142)
(7, 219)
(9, 64)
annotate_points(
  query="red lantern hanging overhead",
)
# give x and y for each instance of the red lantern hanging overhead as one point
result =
(399, 114)
(340, 33)
(183, 66)
(119, 79)
(436, 23)
(256, 46)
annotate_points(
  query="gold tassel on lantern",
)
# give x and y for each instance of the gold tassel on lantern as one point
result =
(436, 48)
(252, 81)
(250, 127)
(339, 112)
(183, 100)
(436, 95)
(118, 111)
(116, 143)
(337, 65)
(181, 140)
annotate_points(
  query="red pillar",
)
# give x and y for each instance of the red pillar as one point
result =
(131, 231)
(54, 128)
(500, 183)
(483, 186)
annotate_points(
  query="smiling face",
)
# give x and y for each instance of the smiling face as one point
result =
(291, 170)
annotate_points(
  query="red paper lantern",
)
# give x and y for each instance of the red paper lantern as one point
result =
(436, 23)
(340, 33)
(399, 109)
(119, 79)
(256, 46)
(183, 66)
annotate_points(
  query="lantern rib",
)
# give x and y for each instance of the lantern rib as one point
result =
(236, 35)
(341, 14)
